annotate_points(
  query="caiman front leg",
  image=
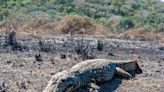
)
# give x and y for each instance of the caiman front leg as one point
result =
(123, 73)
(93, 85)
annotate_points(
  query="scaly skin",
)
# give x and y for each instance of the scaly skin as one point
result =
(84, 73)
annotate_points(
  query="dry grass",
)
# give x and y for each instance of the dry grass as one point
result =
(68, 25)
(142, 35)
(75, 25)
(78, 25)
(30, 28)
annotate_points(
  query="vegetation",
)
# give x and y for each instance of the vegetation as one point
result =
(115, 15)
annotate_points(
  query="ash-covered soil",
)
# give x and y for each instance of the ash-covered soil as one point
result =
(21, 72)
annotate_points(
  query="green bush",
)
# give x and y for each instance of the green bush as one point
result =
(127, 22)
(148, 14)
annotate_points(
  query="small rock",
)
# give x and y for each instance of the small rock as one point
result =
(62, 56)
(64, 45)
(161, 48)
(158, 61)
(28, 81)
(159, 65)
(139, 57)
(111, 54)
(22, 85)
(21, 65)
(52, 73)
(52, 61)
(142, 65)
(157, 71)
(118, 46)
(38, 57)
(9, 62)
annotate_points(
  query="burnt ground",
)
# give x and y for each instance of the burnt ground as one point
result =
(21, 72)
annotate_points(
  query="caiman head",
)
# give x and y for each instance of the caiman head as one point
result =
(131, 66)
(62, 82)
(138, 70)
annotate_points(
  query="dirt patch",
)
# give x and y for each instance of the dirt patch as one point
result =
(20, 71)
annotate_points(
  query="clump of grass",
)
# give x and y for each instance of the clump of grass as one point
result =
(78, 25)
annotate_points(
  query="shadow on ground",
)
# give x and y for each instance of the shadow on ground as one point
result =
(109, 86)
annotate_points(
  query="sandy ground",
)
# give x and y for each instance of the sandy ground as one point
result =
(20, 72)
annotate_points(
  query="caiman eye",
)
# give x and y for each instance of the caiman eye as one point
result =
(62, 81)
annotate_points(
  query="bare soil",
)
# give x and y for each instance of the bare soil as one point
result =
(21, 72)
